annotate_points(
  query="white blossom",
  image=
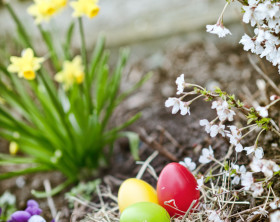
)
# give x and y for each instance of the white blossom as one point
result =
(223, 111)
(247, 180)
(256, 165)
(275, 216)
(235, 136)
(258, 151)
(262, 111)
(178, 105)
(239, 171)
(257, 189)
(180, 82)
(249, 12)
(266, 10)
(175, 102)
(216, 129)
(200, 183)
(213, 130)
(248, 43)
(273, 97)
(268, 167)
(185, 108)
(188, 163)
(207, 155)
(218, 29)
(275, 204)
(206, 123)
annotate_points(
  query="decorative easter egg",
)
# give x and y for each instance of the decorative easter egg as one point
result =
(176, 189)
(135, 190)
(145, 211)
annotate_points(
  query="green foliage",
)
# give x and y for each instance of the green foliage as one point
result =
(226, 166)
(262, 122)
(58, 129)
(82, 191)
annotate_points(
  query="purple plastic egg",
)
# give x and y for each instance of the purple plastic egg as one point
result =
(20, 216)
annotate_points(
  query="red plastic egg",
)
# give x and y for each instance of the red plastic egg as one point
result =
(176, 189)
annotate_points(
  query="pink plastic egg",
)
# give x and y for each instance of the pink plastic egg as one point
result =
(176, 189)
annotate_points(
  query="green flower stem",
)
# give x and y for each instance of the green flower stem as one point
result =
(61, 113)
(48, 40)
(54, 191)
(257, 139)
(249, 132)
(83, 48)
(85, 61)
(246, 127)
(20, 27)
(271, 104)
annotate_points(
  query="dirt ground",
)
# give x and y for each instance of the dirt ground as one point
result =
(206, 64)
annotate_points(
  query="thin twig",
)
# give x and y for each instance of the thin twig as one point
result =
(265, 76)
(155, 145)
(51, 204)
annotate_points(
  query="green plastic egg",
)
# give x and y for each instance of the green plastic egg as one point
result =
(145, 212)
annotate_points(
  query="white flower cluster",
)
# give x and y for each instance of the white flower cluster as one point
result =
(247, 181)
(188, 163)
(225, 113)
(264, 16)
(177, 103)
(268, 167)
(207, 155)
(236, 174)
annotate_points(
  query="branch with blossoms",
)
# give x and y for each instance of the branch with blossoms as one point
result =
(225, 176)
(224, 104)
(263, 16)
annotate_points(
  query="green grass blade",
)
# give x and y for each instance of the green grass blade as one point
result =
(68, 41)
(134, 141)
(53, 192)
(21, 30)
(23, 172)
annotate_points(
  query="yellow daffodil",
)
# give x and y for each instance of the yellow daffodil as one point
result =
(85, 7)
(72, 72)
(26, 65)
(43, 10)
(13, 148)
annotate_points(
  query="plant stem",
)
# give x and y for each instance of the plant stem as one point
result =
(257, 139)
(47, 38)
(220, 19)
(248, 132)
(83, 41)
(54, 191)
(20, 26)
(271, 104)
(243, 128)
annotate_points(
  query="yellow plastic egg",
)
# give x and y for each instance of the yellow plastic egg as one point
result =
(135, 190)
